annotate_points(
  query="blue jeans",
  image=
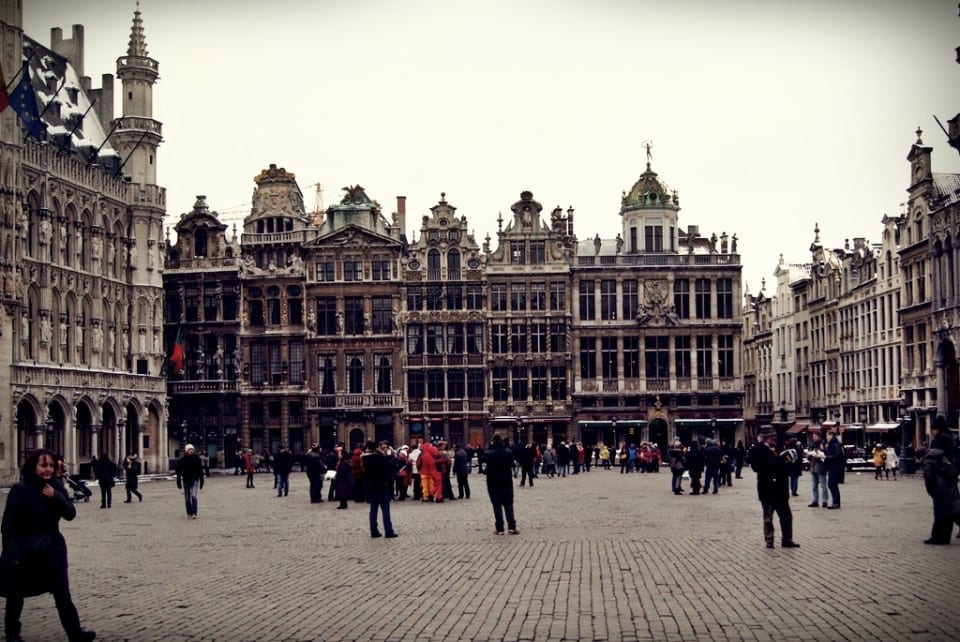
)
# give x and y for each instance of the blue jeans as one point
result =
(380, 499)
(794, 484)
(819, 482)
(190, 496)
(283, 485)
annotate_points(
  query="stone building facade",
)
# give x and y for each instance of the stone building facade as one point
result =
(81, 267)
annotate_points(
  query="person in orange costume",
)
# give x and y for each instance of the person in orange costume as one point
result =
(430, 478)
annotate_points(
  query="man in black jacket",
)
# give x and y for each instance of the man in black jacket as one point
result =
(498, 467)
(316, 468)
(190, 479)
(378, 472)
(282, 465)
(773, 486)
(834, 458)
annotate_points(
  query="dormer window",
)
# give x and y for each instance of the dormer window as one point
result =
(517, 253)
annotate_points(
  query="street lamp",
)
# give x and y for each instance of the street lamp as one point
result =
(183, 434)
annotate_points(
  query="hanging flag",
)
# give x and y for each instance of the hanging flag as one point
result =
(178, 358)
(23, 99)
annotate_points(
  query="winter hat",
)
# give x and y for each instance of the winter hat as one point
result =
(189, 447)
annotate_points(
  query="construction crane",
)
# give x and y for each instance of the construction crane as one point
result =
(318, 204)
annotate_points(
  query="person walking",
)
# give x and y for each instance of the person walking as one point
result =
(282, 466)
(940, 475)
(879, 454)
(834, 460)
(773, 486)
(711, 460)
(818, 472)
(34, 556)
(891, 462)
(249, 467)
(131, 467)
(106, 472)
(190, 479)
(498, 467)
(461, 468)
(378, 471)
(315, 469)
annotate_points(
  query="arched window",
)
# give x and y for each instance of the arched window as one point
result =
(355, 374)
(200, 243)
(453, 265)
(433, 265)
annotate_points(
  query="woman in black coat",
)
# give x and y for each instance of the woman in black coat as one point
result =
(34, 557)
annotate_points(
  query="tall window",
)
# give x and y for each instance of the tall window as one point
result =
(276, 371)
(324, 271)
(657, 357)
(475, 338)
(382, 317)
(414, 297)
(588, 357)
(498, 297)
(704, 356)
(501, 389)
(608, 300)
(435, 297)
(209, 305)
(355, 373)
(296, 363)
(434, 338)
(653, 238)
(326, 316)
(256, 313)
(538, 252)
(629, 299)
(326, 371)
(474, 296)
(588, 306)
(498, 338)
(608, 357)
(538, 383)
(681, 298)
(454, 296)
(538, 297)
(682, 356)
(295, 309)
(453, 265)
(475, 383)
(558, 383)
(702, 298)
(518, 338)
(455, 338)
(380, 268)
(725, 298)
(558, 296)
(558, 336)
(273, 306)
(518, 297)
(353, 315)
(631, 357)
(456, 384)
(517, 253)
(519, 381)
(256, 364)
(922, 346)
(435, 384)
(908, 341)
(416, 385)
(538, 338)
(192, 303)
(433, 265)
(352, 268)
(725, 355)
(414, 339)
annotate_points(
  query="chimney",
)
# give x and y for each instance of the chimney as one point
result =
(402, 214)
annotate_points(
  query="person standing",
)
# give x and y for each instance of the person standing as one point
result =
(677, 466)
(282, 465)
(249, 467)
(773, 486)
(711, 460)
(879, 454)
(526, 457)
(818, 472)
(940, 475)
(190, 479)
(344, 480)
(34, 556)
(891, 462)
(563, 459)
(498, 467)
(413, 458)
(834, 460)
(695, 466)
(131, 467)
(378, 467)
(315, 469)
(105, 471)
(795, 467)
(461, 468)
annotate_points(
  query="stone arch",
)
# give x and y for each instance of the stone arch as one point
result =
(58, 418)
(29, 414)
(31, 218)
(948, 379)
(86, 418)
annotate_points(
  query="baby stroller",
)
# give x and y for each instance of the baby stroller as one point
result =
(79, 487)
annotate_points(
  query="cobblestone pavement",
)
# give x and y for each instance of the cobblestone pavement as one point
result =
(600, 556)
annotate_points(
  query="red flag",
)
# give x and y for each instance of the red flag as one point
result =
(178, 358)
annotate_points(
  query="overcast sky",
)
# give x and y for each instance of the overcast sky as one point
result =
(766, 116)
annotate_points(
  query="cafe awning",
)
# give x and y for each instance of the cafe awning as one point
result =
(797, 428)
(882, 427)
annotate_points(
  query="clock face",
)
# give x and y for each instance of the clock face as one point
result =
(473, 264)
(414, 265)
(443, 222)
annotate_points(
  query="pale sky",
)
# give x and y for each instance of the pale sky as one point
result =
(766, 116)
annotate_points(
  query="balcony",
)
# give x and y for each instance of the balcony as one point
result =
(660, 259)
(366, 401)
(203, 386)
(658, 385)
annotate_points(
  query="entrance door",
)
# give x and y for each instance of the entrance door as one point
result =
(658, 433)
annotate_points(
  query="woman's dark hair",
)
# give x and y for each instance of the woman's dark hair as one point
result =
(29, 468)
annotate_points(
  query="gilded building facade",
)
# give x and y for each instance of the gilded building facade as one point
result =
(202, 313)
(81, 266)
(657, 334)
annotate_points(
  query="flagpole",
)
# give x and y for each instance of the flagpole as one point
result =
(80, 122)
(123, 164)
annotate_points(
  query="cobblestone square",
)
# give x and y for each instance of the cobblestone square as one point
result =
(600, 556)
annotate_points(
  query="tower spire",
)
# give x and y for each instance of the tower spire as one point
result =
(138, 42)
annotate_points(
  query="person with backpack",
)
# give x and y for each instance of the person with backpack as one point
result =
(940, 475)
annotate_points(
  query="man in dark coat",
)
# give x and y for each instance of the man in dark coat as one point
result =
(940, 474)
(563, 458)
(378, 470)
(833, 459)
(282, 465)
(131, 466)
(773, 486)
(695, 466)
(315, 469)
(190, 479)
(711, 457)
(105, 471)
(527, 456)
(461, 468)
(498, 467)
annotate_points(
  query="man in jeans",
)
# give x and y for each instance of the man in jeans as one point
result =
(818, 471)
(190, 479)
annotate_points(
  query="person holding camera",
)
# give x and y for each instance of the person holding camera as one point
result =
(773, 485)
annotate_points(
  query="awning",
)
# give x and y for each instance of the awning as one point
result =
(693, 422)
(852, 427)
(880, 427)
(828, 424)
(797, 428)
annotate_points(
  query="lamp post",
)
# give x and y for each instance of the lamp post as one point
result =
(48, 438)
(119, 459)
(183, 434)
(613, 425)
